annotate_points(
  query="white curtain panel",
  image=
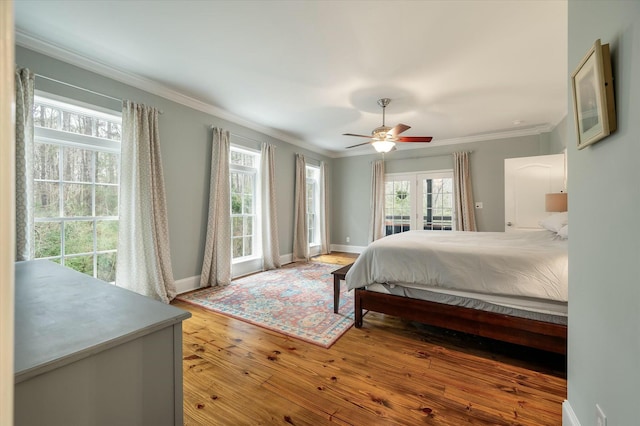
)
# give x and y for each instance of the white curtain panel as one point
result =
(376, 227)
(24, 82)
(325, 242)
(143, 260)
(270, 245)
(300, 228)
(463, 193)
(216, 265)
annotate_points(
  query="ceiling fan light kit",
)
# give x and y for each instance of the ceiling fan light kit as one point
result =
(383, 146)
(384, 138)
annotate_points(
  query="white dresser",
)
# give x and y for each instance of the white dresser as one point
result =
(90, 353)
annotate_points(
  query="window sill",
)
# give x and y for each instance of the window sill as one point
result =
(245, 266)
(241, 260)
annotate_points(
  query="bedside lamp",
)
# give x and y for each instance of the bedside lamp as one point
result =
(555, 202)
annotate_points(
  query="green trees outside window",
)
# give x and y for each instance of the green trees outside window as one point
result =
(76, 182)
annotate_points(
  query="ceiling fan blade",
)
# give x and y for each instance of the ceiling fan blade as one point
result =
(353, 134)
(414, 139)
(398, 129)
(360, 144)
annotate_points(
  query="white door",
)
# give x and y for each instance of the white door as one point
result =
(526, 181)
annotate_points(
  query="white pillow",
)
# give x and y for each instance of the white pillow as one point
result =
(555, 221)
(564, 232)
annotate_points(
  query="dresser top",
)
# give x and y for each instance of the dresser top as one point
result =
(62, 316)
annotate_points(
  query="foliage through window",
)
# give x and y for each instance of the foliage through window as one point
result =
(397, 205)
(243, 176)
(437, 203)
(418, 201)
(76, 180)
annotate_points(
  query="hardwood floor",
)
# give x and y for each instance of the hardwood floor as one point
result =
(390, 372)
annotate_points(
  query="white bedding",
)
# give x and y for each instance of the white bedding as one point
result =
(521, 264)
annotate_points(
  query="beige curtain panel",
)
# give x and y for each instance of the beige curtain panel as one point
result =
(376, 227)
(24, 86)
(144, 263)
(300, 228)
(216, 265)
(270, 245)
(463, 193)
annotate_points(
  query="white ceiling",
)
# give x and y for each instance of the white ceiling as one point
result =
(308, 71)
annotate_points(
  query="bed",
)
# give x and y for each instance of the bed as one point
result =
(510, 286)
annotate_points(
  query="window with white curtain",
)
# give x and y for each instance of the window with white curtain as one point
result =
(76, 182)
(313, 205)
(243, 175)
(419, 201)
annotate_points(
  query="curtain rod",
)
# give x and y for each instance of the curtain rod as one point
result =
(312, 158)
(83, 89)
(240, 136)
(245, 137)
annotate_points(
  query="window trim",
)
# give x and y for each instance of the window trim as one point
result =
(75, 105)
(416, 200)
(436, 174)
(63, 139)
(316, 170)
(241, 262)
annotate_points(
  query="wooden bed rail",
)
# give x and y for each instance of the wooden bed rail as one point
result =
(532, 333)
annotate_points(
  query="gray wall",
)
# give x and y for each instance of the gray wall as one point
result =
(186, 148)
(604, 248)
(558, 137)
(352, 194)
(185, 137)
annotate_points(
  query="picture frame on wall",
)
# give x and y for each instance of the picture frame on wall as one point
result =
(593, 97)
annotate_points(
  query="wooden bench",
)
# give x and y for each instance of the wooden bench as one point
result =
(338, 275)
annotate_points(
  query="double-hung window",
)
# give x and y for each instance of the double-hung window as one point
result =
(76, 181)
(313, 205)
(243, 174)
(419, 201)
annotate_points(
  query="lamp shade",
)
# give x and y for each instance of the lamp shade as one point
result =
(555, 202)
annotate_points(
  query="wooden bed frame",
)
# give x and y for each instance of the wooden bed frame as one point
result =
(532, 333)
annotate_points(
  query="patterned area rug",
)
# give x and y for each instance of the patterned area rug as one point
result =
(296, 300)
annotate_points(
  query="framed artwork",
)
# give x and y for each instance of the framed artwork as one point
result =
(593, 98)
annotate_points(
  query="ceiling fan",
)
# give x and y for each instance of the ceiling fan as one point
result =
(384, 138)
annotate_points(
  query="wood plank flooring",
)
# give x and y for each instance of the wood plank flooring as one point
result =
(390, 372)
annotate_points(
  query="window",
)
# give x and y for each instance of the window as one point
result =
(397, 204)
(76, 181)
(437, 201)
(313, 205)
(243, 176)
(418, 201)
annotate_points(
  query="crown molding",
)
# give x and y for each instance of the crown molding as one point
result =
(29, 41)
(529, 131)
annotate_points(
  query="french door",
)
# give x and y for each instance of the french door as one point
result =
(419, 201)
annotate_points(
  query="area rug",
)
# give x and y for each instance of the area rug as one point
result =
(296, 300)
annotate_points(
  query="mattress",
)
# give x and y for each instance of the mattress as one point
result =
(526, 265)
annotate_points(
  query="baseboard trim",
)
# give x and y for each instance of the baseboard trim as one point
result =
(188, 284)
(569, 418)
(286, 258)
(347, 249)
